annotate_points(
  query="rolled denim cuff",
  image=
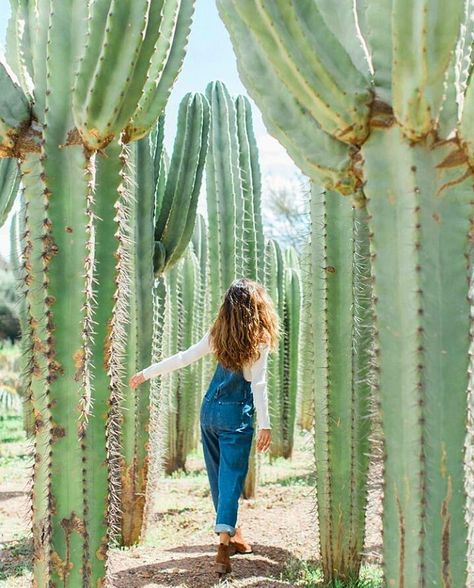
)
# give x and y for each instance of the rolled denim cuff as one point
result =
(223, 528)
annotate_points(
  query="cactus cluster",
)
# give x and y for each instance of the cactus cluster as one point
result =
(382, 100)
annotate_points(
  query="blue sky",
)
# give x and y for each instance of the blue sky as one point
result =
(209, 57)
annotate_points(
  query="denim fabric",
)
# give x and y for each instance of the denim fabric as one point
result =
(226, 423)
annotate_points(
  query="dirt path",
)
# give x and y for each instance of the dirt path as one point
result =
(180, 545)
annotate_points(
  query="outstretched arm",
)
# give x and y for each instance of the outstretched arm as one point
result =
(173, 362)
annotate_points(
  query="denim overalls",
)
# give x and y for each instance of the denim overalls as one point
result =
(226, 423)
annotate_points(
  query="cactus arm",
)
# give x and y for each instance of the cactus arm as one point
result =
(157, 136)
(448, 117)
(318, 154)
(466, 124)
(12, 41)
(175, 169)
(424, 35)
(25, 20)
(293, 310)
(187, 184)
(39, 15)
(155, 94)
(18, 50)
(426, 329)
(112, 57)
(256, 179)
(14, 109)
(246, 166)
(342, 24)
(377, 16)
(221, 180)
(9, 184)
(161, 196)
(142, 69)
(215, 278)
(311, 63)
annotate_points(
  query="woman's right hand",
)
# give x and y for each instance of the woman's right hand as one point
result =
(264, 439)
(136, 380)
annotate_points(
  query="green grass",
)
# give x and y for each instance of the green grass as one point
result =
(308, 573)
(11, 429)
(16, 559)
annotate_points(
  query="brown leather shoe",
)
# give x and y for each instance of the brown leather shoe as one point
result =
(222, 563)
(238, 543)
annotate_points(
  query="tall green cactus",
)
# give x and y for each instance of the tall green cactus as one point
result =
(181, 329)
(341, 360)
(17, 230)
(233, 193)
(54, 120)
(275, 284)
(233, 182)
(283, 283)
(291, 360)
(305, 401)
(164, 214)
(396, 125)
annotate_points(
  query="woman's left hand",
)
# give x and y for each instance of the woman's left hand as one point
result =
(264, 439)
(136, 380)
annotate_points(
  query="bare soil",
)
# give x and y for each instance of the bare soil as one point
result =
(180, 545)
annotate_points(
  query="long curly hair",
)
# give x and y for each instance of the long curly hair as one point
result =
(246, 318)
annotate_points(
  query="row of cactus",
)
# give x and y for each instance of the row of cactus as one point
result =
(383, 99)
(163, 215)
(69, 131)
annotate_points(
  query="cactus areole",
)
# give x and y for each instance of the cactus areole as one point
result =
(380, 96)
(74, 92)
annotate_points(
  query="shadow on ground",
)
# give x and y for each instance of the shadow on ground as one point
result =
(193, 567)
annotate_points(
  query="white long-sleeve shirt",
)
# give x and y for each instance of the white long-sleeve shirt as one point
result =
(255, 373)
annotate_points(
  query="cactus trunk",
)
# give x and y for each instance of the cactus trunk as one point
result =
(341, 331)
(418, 203)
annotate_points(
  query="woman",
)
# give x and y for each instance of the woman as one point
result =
(245, 330)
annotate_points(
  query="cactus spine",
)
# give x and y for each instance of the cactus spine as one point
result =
(396, 127)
